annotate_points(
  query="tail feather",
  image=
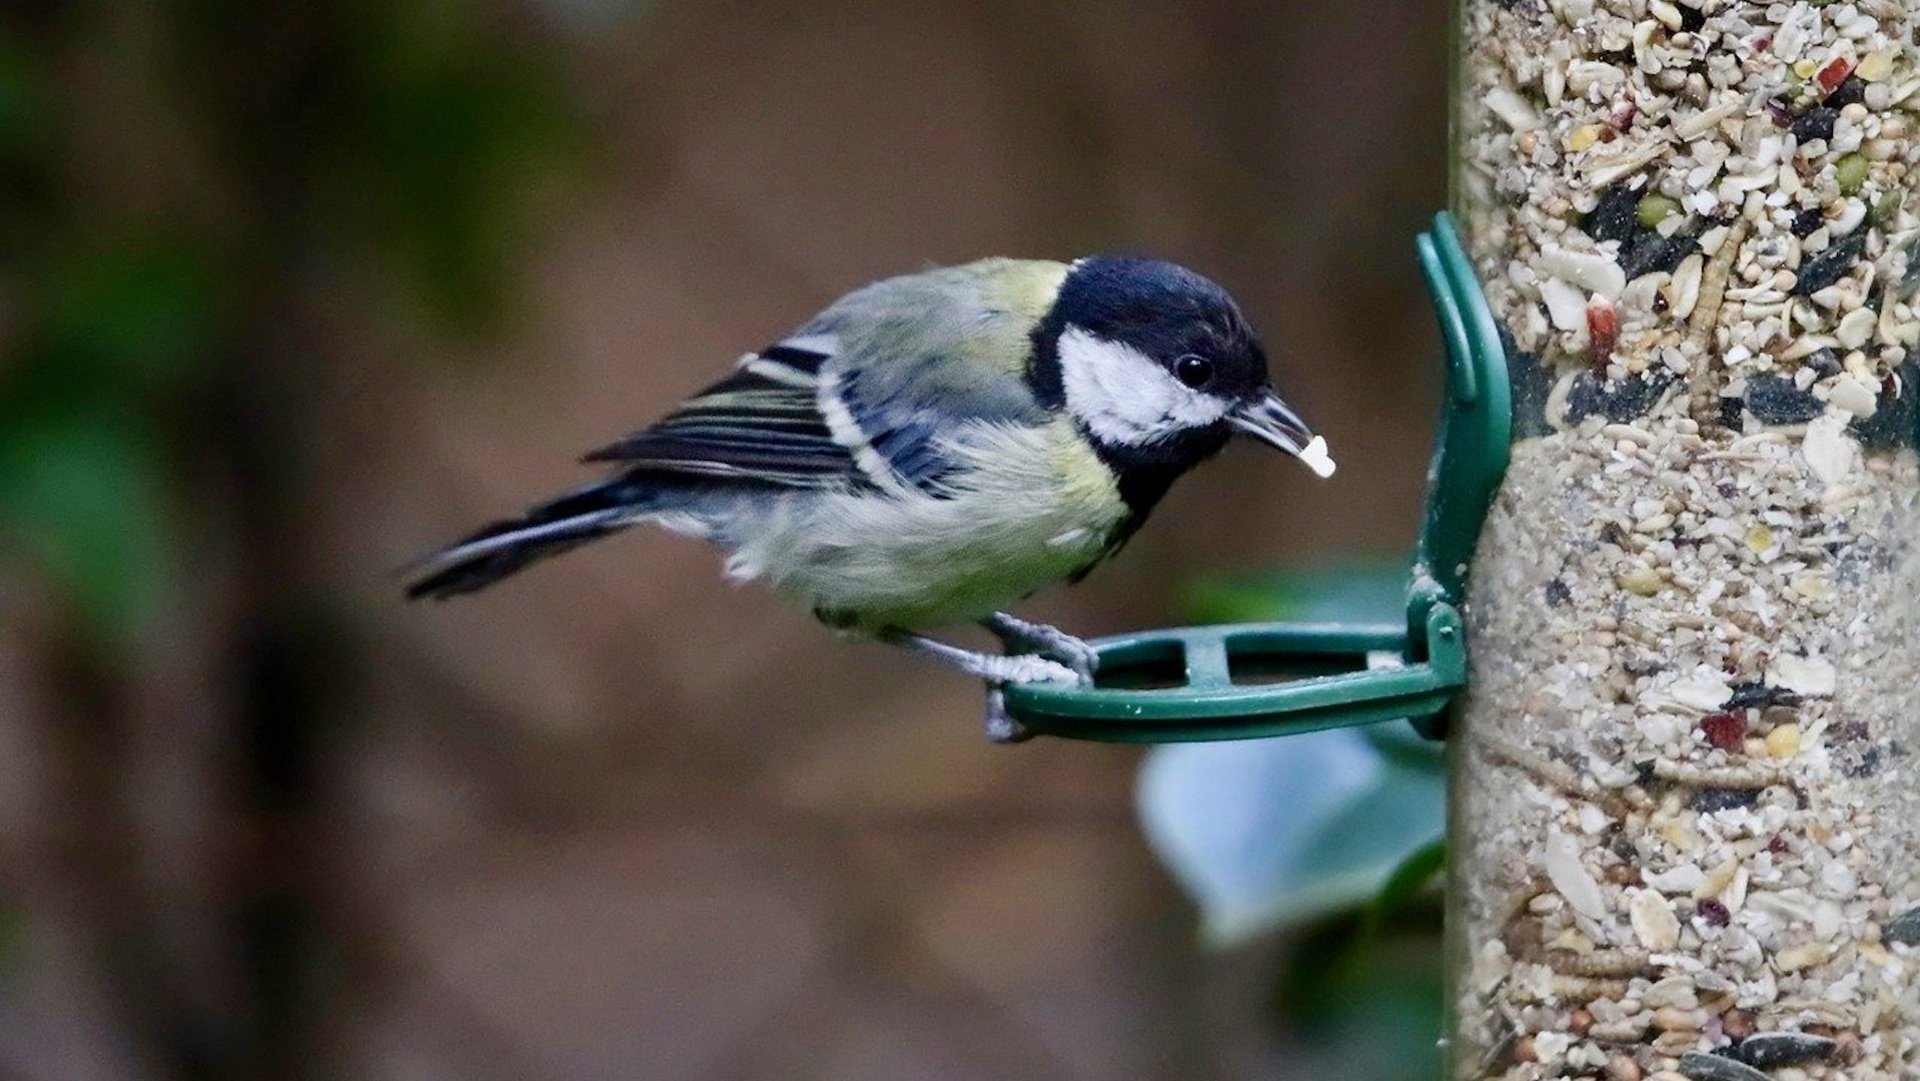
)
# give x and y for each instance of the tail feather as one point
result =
(505, 547)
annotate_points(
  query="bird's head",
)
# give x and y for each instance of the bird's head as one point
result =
(1158, 368)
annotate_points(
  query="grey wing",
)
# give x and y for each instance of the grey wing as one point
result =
(919, 362)
(869, 394)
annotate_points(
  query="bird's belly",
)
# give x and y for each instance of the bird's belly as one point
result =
(876, 561)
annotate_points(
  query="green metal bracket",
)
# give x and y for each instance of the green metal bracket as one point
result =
(1256, 680)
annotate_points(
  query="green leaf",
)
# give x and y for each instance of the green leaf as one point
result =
(1409, 879)
(1372, 1011)
(1407, 882)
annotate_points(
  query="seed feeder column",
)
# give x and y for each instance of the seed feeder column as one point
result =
(1686, 799)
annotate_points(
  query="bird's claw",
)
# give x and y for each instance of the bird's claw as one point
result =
(1034, 668)
(1001, 725)
(1077, 655)
(1081, 657)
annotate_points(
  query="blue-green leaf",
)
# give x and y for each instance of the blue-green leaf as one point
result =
(1268, 833)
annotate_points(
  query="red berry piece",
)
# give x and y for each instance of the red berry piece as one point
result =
(1834, 74)
(1725, 730)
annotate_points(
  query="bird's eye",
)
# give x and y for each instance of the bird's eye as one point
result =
(1195, 372)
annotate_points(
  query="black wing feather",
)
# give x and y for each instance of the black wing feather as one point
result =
(764, 424)
(749, 427)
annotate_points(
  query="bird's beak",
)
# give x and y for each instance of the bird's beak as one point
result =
(1273, 422)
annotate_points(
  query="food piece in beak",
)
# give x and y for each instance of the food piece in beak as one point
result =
(1274, 423)
(1315, 455)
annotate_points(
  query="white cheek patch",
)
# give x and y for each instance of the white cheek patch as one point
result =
(1124, 396)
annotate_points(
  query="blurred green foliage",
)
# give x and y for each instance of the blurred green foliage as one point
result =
(429, 140)
(1367, 1005)
(179, 182)
(192, 193)
(82, 495)
(1364, 589)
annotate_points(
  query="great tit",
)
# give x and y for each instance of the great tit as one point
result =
(932, 448)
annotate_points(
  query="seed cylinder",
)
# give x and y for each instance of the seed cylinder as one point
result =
(1686, 820)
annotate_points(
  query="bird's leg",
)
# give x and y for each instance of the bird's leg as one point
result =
(991, 667)
(1016, 633)
(996, 670)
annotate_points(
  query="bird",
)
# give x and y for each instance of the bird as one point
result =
(932, 448)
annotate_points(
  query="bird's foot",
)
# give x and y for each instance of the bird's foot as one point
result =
(1075, 653)
(1023, 668)
(996, 670)
(1002, 727)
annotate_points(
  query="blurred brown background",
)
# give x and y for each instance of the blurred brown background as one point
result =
(258, 818)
